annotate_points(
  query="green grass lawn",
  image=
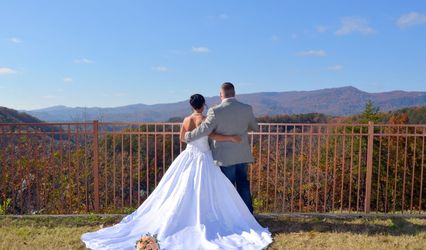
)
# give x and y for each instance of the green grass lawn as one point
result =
(290, 232)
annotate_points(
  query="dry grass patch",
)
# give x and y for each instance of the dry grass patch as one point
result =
(347, 233)
(290, 232)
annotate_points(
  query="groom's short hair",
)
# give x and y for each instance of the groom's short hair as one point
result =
(228, 89)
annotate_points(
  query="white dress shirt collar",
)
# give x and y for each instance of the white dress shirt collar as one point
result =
(228, 99)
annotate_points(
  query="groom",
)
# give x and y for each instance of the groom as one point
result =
(231, 117)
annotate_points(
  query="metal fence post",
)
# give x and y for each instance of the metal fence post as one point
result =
(96, 164)
(369, 166)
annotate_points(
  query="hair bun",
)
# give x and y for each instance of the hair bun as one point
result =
(197, 101)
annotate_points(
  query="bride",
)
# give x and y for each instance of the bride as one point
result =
(194, 206)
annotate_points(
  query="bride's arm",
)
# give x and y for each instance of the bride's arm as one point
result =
(219, 137)
(184, 128)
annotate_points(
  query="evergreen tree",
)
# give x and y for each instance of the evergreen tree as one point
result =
(370, 113)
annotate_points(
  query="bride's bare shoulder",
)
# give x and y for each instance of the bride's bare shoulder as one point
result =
(192, 121)
(188, 123)
(186, 120)
(199, 119)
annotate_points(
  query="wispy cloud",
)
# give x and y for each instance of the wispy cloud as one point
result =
(294, 36)
(354, 25)
(161, 68)
(68, 80)
(336, 67)
(83, 61)
(319, 53)
(275, 38)
(321, 28)
(15, 40)
(200, 49)
(7, 71)
(223, 16)
(411, 19)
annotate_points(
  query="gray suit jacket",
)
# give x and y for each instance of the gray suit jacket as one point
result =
(231, 117)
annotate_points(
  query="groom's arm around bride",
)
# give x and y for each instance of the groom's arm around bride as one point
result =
(230, 117)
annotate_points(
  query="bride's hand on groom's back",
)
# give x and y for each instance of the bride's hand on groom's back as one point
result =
(236, 139)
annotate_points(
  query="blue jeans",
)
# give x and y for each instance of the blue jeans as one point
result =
(237, 174)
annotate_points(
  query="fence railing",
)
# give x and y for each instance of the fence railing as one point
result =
(105, 166)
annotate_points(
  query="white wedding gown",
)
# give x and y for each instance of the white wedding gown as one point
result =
(193, 207)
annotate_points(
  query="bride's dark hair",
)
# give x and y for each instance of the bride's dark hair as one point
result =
(197, 101)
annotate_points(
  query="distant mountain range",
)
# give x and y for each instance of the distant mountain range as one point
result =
(332, 101)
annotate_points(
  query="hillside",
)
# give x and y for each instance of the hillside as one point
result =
(13, 116)
(416, 115)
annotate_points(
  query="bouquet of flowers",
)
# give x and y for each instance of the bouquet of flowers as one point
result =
(148, 242)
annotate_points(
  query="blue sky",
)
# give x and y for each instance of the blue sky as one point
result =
(112, 53)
